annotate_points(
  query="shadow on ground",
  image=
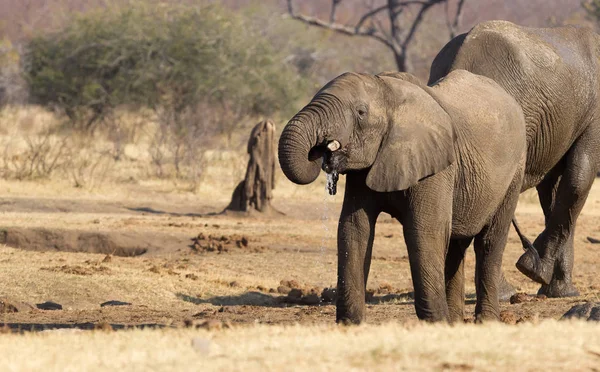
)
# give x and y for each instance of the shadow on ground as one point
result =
(248, 298)
(88, 326)
(173, 214)
(267, 300)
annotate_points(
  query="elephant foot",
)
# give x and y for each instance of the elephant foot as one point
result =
(559, 288)
(505, 290)
(486, 317)
(532, 266)
(347, 322)
(346, 315)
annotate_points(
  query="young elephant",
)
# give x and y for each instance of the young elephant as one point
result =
(447, 161)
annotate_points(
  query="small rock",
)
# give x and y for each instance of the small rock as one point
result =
(191, 276)
(518, 298)
(103, 326)
(283, 289)
(290, 283)
(49, 305)
(114, 303)
(588, 310)
(329, 295)
(541, 297)
(385, 288)
(508, 317)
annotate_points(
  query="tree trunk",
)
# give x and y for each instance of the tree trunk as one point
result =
(255, 192)
(402, 62)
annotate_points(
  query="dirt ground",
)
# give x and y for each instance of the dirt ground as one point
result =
(173, 259)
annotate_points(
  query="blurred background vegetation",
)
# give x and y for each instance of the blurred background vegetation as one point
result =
(90, 86)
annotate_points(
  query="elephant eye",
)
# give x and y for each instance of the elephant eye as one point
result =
(362, 112)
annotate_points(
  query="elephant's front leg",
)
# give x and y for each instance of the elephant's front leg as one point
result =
(426, 254)
(356, 231)
(427, 225)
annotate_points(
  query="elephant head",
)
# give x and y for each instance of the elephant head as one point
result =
(389, 124)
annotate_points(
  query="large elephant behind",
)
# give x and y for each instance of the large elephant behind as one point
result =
(553, 73)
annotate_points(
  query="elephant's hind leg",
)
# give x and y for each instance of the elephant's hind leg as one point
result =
(455, 278)
(562, 195)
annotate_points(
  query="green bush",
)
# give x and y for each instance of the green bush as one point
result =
(166, 57)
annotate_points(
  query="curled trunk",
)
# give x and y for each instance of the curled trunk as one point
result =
(295, 144)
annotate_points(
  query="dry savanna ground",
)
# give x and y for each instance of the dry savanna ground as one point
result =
(223, 291)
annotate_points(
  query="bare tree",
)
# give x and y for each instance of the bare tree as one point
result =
(396, 33)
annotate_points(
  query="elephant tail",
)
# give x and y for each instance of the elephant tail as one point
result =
(524, 241)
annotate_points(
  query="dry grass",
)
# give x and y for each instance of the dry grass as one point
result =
(550, 345)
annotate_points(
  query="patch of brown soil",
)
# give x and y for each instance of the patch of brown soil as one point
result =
(519, 298)
(222, 243)
(78, 270)
(42, 239)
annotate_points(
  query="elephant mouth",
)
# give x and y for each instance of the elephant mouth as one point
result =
(332, 165)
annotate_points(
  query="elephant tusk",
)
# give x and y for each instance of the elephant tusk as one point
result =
(334, 146)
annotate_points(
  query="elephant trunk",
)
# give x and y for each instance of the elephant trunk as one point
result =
(298, 160)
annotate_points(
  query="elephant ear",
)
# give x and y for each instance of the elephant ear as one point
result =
(419, 141)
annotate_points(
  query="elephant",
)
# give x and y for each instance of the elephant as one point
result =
(554, 75)
(446, 161)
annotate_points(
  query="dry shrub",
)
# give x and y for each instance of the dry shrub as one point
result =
(40, 156)
(83, 159)
(179, 142)
(88, 165)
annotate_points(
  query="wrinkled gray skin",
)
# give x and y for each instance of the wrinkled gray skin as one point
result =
(553, 73)
(446, 161)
